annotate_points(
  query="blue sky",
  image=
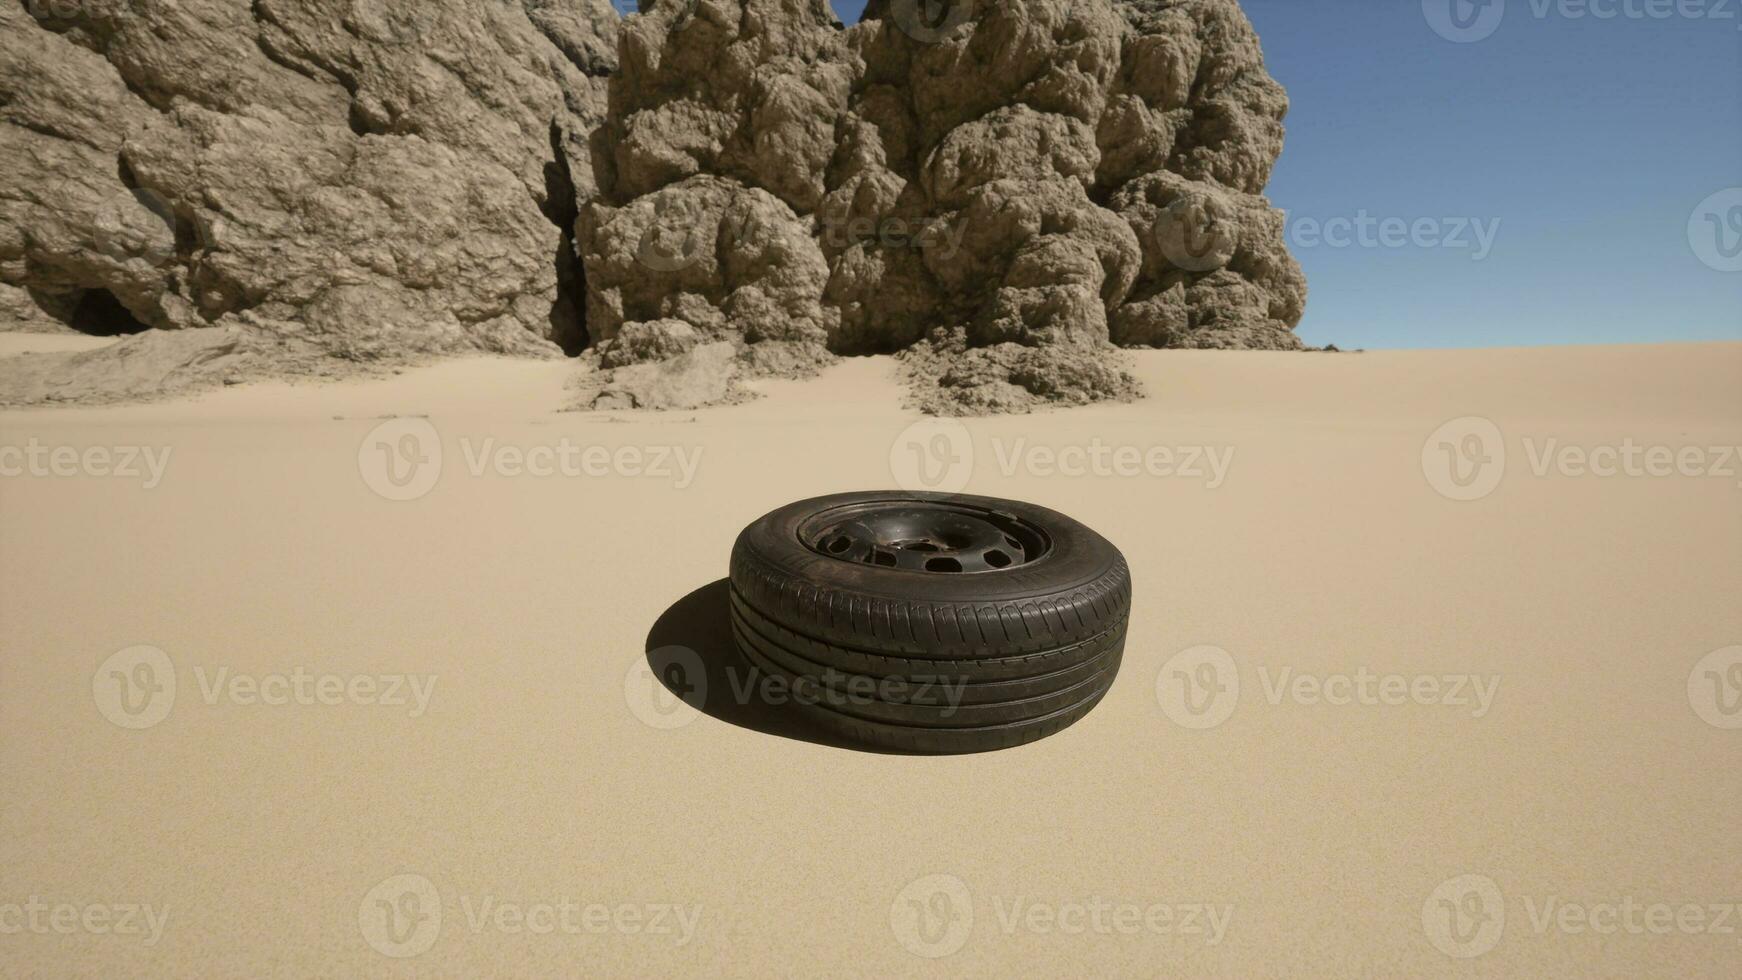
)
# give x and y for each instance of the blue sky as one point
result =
(1580, 148)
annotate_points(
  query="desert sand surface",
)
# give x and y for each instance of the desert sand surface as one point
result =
(12, 344)
(1494, 736)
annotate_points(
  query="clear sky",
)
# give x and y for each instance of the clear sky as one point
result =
(1543, 180)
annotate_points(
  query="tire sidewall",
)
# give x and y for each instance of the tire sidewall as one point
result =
(1078, 556)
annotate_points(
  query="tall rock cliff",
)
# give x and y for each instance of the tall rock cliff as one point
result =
(357, 178)
(1009, 188)
(1004, 191)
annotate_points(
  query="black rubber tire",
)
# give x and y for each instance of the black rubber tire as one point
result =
(1025, 650)
(865, 704)
(957, 741)
(1002, 679)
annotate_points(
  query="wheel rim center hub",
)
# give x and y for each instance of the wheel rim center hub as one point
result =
(925, 537)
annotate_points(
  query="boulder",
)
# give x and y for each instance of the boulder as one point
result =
(1010, 190)
(360, 178)
(1014, 187)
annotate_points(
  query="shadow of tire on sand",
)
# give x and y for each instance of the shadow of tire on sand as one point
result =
(692, 654)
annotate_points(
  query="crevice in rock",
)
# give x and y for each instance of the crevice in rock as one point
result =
(183, 222)
(45, 129)
(575, 58)
(359, 121)
(100, 314)
(81, 34)
(568, 327)
(311, 72)
(312, 66)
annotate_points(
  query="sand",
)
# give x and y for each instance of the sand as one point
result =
(1560, 641)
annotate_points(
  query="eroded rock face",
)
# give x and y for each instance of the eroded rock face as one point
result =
(1006, 190)
(369, 178)
(1013, 186)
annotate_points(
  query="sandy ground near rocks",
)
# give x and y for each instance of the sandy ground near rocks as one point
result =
(12, 344)
(1362, 727)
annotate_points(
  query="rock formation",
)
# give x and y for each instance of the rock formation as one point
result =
(359, 179)
(1012, 187)
(1004, 190)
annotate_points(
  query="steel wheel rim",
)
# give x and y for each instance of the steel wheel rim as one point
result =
(932, 537)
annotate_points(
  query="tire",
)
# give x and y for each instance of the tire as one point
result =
(932, 623)
(980, 681)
